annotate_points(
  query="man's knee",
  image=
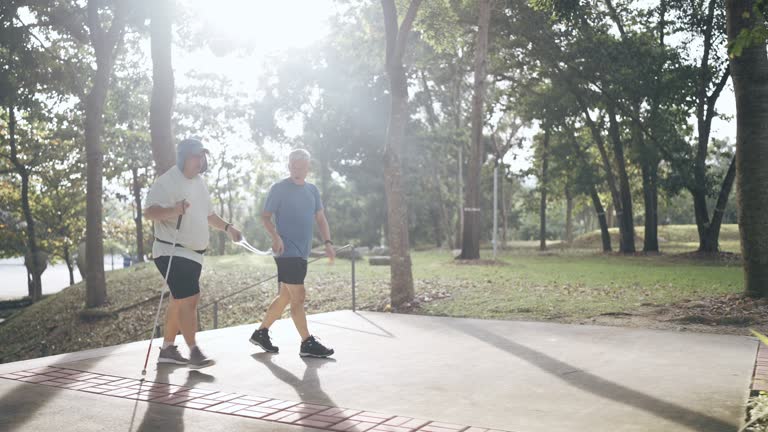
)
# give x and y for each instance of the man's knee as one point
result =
(298, 295)
(284, 295)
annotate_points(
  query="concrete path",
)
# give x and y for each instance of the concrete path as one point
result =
(423, 373)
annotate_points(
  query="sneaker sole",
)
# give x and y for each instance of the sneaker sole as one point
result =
(171, 361)
(202, 365)
(262, 347)
(315, 355)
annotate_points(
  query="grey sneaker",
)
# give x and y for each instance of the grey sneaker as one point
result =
(171, 355)
(198, 360)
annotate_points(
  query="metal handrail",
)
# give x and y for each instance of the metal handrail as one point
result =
(215, 303)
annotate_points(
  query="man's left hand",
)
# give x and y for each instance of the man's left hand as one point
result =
(234, 234)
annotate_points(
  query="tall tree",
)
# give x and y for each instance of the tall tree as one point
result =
(106, 29)
(470, 245)
(713, 73)
(163, 89)
(749, 72)
(543, 184)
(30, 77)
(401, 276)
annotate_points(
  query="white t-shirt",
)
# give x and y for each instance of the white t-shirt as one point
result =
(169, 189)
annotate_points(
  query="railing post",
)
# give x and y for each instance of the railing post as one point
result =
(215, 314)
(354, 253)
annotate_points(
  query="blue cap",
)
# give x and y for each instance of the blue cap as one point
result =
(187, 148)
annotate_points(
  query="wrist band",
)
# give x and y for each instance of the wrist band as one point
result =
(227, 227)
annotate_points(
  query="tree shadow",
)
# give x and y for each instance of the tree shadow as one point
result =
(599, 386)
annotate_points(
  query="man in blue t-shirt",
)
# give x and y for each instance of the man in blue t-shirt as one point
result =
(296, 206)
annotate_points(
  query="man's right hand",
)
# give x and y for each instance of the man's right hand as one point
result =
(180, 208)
(277, 246)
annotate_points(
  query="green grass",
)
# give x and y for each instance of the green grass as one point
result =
(672, 238)
(572, 286)
(562, 285)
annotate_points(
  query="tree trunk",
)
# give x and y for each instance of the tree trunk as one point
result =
(601, 214)
(163, 87)
(626, 220)
(457, 124)
(70, 267)
(749, 73)
(231, 201)
(616, 196)
(34, 287)
(96, 289)
(710, 241)
(543, 188)
(709, 231)
(460, 218)
(105, 45)
(651, 201)
(401, 276)
(470, 245)
(568, 216)
(221, 234)
(605, 235)
(503, 206)
(138, 219)
(325, 179)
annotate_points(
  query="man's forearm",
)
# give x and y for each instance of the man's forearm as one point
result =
(157, 213)
(270, 227)
(217, 222)
(325, 230)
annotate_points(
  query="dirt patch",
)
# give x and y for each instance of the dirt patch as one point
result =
(480, 262)
(715, 258)
(728, 314)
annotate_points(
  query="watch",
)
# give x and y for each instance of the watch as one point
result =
(328, 242)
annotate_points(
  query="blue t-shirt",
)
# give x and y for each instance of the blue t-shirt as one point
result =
(294, 207)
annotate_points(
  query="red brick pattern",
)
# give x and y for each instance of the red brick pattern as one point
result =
(262, 408)
(760, 378)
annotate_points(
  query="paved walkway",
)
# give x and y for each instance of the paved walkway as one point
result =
(399, 373)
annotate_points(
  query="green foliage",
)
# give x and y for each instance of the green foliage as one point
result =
(757, 34)
(564, 10)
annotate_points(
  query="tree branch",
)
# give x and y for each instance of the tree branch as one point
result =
(616, 19)
(712, 99)
(390, 29)
(405, 28)
(81, 85)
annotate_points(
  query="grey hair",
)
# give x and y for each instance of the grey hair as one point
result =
(298, 155)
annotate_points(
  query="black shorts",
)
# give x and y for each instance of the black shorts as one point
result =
(184, 278)
(291, 270)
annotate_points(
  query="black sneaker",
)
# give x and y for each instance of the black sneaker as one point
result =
(313, 348)
(261, 339)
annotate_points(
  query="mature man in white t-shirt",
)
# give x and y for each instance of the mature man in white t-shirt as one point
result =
(182, 191)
